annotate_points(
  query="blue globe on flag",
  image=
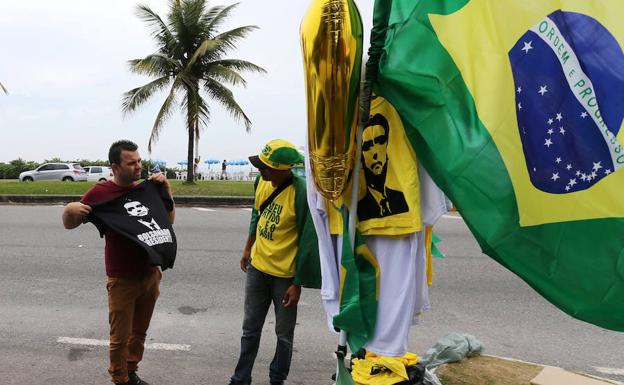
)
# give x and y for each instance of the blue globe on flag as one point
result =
(569, 84)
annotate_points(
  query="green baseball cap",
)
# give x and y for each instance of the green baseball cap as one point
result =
(278, 154)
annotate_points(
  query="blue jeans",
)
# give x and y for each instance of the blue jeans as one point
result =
(260, 290)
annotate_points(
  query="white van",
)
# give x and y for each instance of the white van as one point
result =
(98, 173)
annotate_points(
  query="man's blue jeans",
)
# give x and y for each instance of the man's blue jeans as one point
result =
(260, 290)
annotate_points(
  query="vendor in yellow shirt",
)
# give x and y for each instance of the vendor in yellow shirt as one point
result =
(280, 256)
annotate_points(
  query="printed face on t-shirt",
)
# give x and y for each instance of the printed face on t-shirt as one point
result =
(136, 209)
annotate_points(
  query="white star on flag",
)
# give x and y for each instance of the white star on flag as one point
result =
(569, 167)
(550, 131)
(561, 130)
(583, 114)
(558, 160)
(607, 172)
(550, 121)
(594, 175)
(567, 188)
(519, 106)
(572, 182)
(597, 166)
(519, 89)
(543, 90)
(555, 176)
(583, 177)
(548, 143)
(527, 47)
(559, 116)
(578, 173)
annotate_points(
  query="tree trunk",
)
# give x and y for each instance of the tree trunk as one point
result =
(190, 174)
(190, 123)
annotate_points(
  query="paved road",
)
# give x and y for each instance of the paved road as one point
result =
(52, 287)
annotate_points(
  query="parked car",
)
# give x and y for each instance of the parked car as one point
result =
(98, 173)
(68, 172)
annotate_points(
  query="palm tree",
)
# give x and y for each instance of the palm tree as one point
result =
(190, 62)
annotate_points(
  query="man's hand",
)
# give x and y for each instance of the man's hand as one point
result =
(291, 298)
(161, 178)
(74, 214)
(245, 260)
(78, 209)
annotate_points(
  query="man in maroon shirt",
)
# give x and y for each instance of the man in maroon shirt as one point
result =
(133, 283)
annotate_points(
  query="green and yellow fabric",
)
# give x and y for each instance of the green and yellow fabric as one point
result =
(515, 109)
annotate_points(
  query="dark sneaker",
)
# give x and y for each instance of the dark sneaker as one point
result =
(135, 380)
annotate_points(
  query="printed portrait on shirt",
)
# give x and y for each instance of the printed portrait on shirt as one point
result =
(379, 200)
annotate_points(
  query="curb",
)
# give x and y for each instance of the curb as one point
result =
(607, 380)
(181, 201)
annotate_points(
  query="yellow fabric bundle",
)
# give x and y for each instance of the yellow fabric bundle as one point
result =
(387, 370)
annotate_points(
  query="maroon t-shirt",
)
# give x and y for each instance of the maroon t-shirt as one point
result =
(123, 258)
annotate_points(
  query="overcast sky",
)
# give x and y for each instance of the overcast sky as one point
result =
(64, 63)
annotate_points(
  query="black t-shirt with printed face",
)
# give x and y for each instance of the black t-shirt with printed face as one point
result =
(141, 216)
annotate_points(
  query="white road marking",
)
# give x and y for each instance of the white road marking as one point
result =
(449, 216)
(246, 209)
(93, 342)
(203, 209)
(612, 371)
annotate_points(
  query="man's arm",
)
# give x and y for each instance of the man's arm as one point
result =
(74, 214)
(251, 239)
(162, 179)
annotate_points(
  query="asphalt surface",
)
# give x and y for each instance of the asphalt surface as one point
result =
(52, 287)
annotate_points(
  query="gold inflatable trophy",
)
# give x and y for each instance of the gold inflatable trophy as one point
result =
(331, 38)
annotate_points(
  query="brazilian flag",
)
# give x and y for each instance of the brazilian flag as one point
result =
(515, 108)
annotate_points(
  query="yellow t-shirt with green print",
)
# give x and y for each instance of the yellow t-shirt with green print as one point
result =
(275, 247)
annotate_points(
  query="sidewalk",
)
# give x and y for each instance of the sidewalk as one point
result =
(494, 370)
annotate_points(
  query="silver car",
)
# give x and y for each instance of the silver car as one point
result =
(68, 172)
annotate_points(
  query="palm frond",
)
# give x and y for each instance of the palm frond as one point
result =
(155, 64)
(160, 30)
(175, 20)
(239, 65)
(215, 17)
(231, 37)
(137, 96)
(225, 97)
(163, 114)
(205, 46)
(193, 11)
(185, 21)
(224, 74)
(198, 113)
